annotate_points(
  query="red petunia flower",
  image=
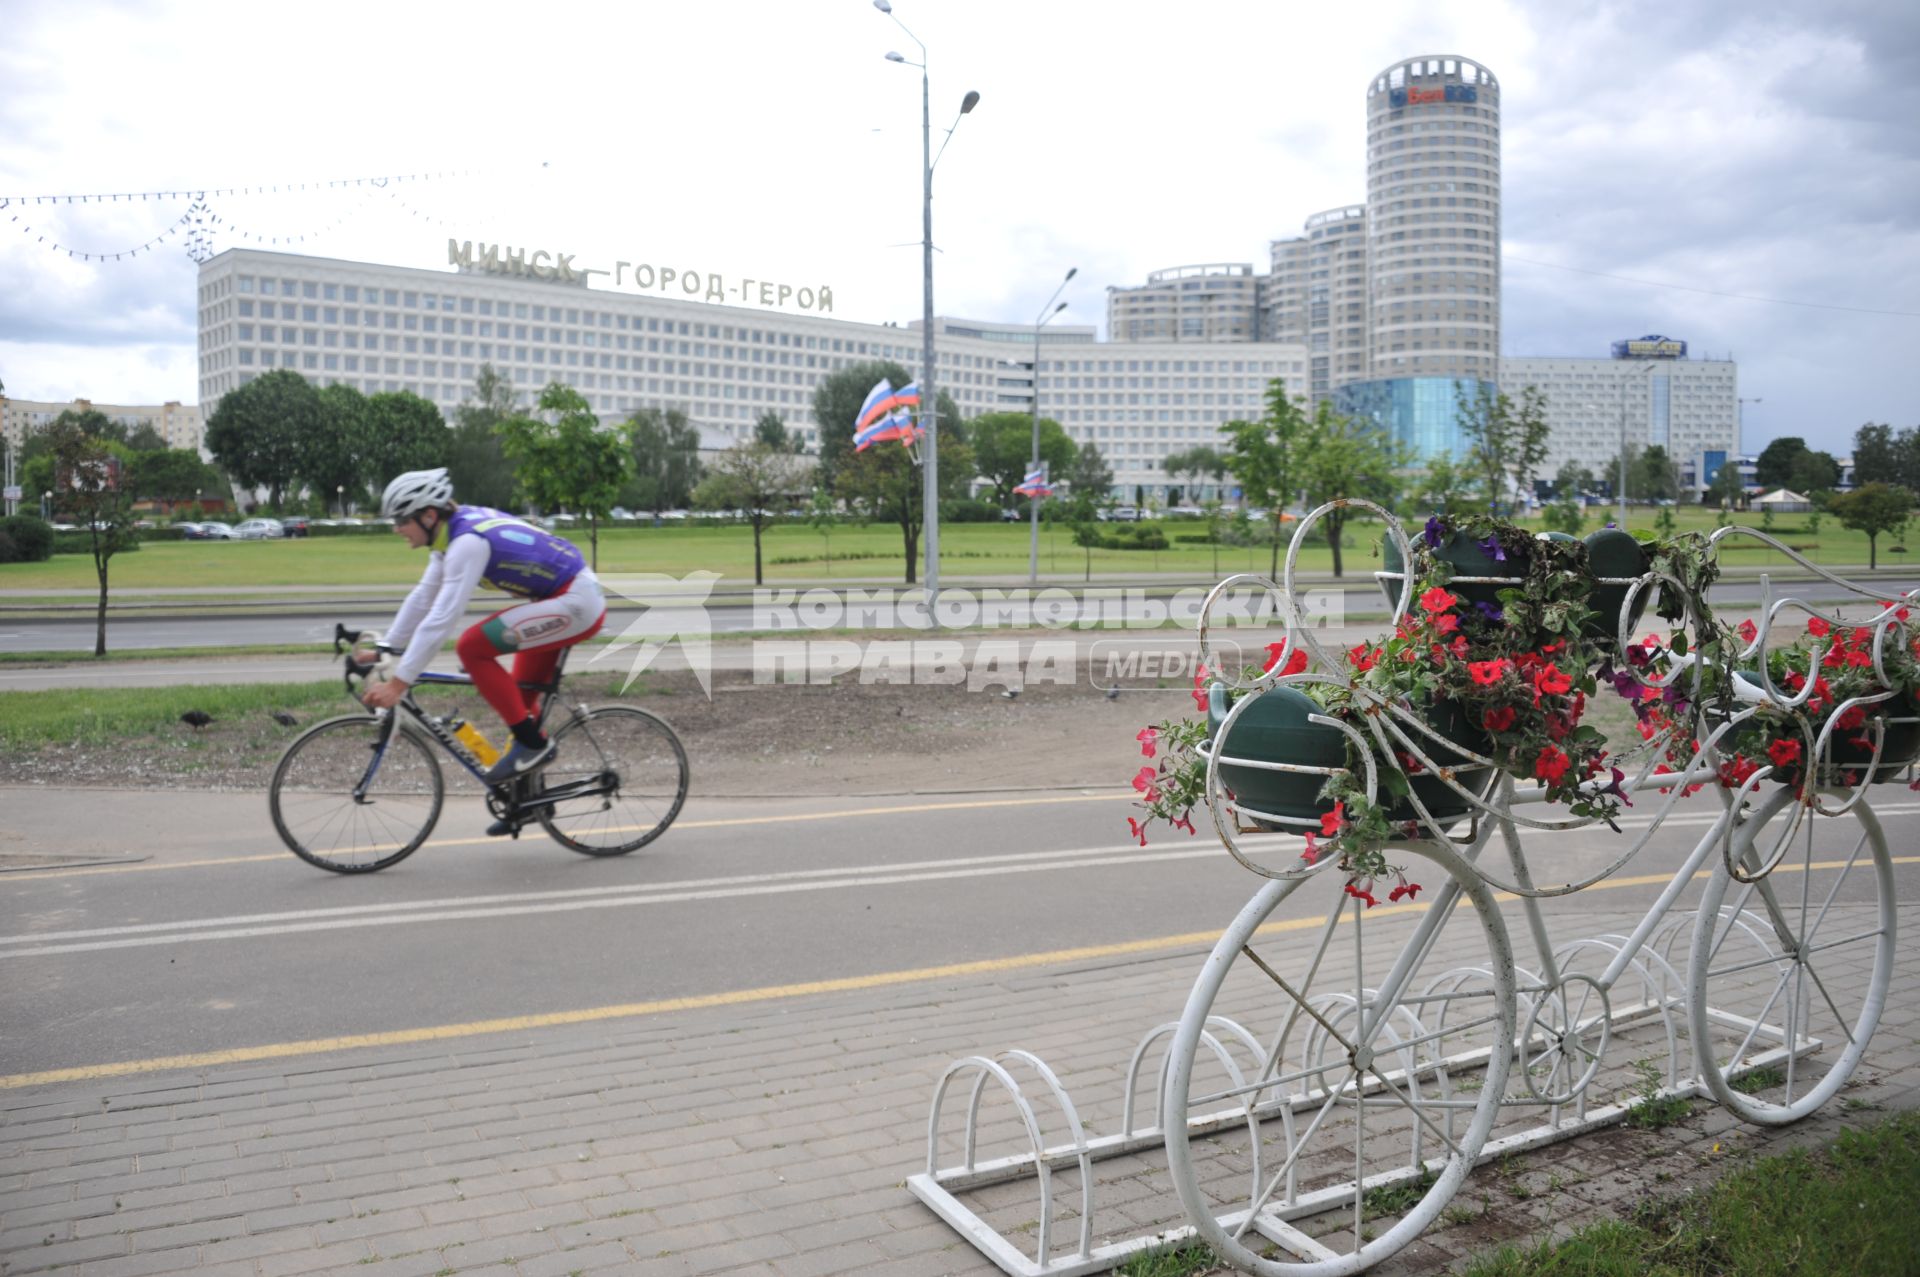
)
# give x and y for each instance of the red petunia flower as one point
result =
(1362, 657)
(1200, 688)
(1139, 830)
(1143, 781)
(1748, 632)
(1334, 821)
(1487, 673)
(1148, 738)
(1437, 600)
(1296, 661)
(1551, 682)
(1498, 720)
(1551, 765)
(1817, 627)
(1784, 752)
(1737, 771)
(1363, 893)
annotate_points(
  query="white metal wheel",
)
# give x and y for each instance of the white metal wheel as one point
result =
(1389, 1091)
(1789, 974)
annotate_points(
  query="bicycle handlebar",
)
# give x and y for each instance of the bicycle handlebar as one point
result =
(348, 641)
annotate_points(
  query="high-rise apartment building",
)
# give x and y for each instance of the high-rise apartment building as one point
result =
(1216, 302)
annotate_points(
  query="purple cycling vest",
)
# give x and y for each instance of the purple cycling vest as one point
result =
(521, 559)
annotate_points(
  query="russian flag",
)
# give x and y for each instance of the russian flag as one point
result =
(1035, 484)
(897, 424)
(879, 402)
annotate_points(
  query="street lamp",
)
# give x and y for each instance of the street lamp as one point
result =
(1047, 313)
(340, 490)
(929, 400)
(46, 507)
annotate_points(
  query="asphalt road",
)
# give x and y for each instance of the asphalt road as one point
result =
(244, 626)
(178, 924)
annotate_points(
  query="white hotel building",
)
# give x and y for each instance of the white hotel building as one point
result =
(384, 328)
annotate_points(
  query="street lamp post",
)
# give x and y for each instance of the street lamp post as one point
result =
(46, 507)
(340, 490)
(1033, 503)
(929, 400)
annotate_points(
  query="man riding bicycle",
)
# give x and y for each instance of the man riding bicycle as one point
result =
(471, 546)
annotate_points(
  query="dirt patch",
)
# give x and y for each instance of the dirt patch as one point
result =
(777, 740)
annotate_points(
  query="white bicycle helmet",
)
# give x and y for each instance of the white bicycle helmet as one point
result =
(417, 490)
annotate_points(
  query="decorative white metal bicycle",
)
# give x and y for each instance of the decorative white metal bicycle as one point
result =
(1339, 1069)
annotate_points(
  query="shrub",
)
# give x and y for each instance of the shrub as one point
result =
(82, 542)
(32, 538)
(967, 510)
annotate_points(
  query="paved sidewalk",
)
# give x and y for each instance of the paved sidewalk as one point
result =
(769, 1138)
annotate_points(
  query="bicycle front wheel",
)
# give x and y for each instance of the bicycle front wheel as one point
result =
(1789, 974)
(355, 794)
(618, 781)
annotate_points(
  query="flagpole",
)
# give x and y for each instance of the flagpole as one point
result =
(1033, 502)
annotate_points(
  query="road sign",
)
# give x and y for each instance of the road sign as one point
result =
(10, 493)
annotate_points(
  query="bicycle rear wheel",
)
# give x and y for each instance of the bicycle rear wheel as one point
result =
(627, 774)
(322, 818)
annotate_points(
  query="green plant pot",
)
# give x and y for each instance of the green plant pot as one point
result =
(1611, 552)
(1465, 557)
(1900, 748)
(1275, 729)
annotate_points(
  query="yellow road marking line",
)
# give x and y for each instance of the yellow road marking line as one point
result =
(742, 997)
(717, 823)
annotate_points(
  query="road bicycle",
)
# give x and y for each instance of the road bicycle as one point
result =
(361, 792)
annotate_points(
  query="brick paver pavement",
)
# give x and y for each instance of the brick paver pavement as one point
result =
(771, 1138)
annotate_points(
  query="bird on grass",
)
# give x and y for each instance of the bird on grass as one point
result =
(283, 718)
(196, 718)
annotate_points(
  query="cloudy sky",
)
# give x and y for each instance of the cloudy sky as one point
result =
(1688, 169)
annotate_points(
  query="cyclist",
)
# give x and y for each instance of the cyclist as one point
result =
(469, 546)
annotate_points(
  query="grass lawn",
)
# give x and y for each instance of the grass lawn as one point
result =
(796, 552)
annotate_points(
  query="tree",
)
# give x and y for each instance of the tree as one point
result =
(1089, 491)
(1568, 512)
(569, 461)
(171, 475)
(1089, 475)
(1875, 453)
(773, 432)
(758, 478)
(1873, 508)
(1347, 458)
(146, 439)
(1814, 472)
(1002, 445)
(883, 482)
(1728, 489)
(1528, 444)
(1198, 463)
(334, 454)
(87, 483)
(1655, 476)
(404, 432)
(1485, 418)
(1444, 485)
(1775, 467)
(475, 461)
(256, 432)
(666, 459)
(1267, 457)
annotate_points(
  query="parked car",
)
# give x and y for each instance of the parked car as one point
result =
(295, 527)
(215, 531)
(258, 530)
(188, 531)
(64, 527)
(1124, 513)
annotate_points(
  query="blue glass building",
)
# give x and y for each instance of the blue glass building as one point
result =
(1421, 413)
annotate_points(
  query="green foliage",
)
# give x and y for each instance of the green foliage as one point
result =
(405, 433)
(569, 460)
(1189, 1260)
(146, 439)
(1444, 487)
(258, 432)
(1002, 445)
(760, 478)
(1347, 458)
(29, 540)
(87, 483)
(968, 510)
(1728, 489)
(1652, 1111)
(476, 462)
(1655, 476)
(1268, 457)
(666, 457)
(173, 474)
(1873, 508)
(1126, 536)
(334, 454)
(1506, 443)
(1774, 467)
(773, 432)
(1814, 472)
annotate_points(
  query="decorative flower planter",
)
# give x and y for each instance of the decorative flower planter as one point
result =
(1613, 553)
(1275, 729)
(1465, 557)
(1898, 750)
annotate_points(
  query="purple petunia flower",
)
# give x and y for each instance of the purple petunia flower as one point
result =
(1674, 697)
(1638, 655)
(1613, 787)
(1492, 611)
(1491, 548)
(1433, 532)
(1626, 684)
